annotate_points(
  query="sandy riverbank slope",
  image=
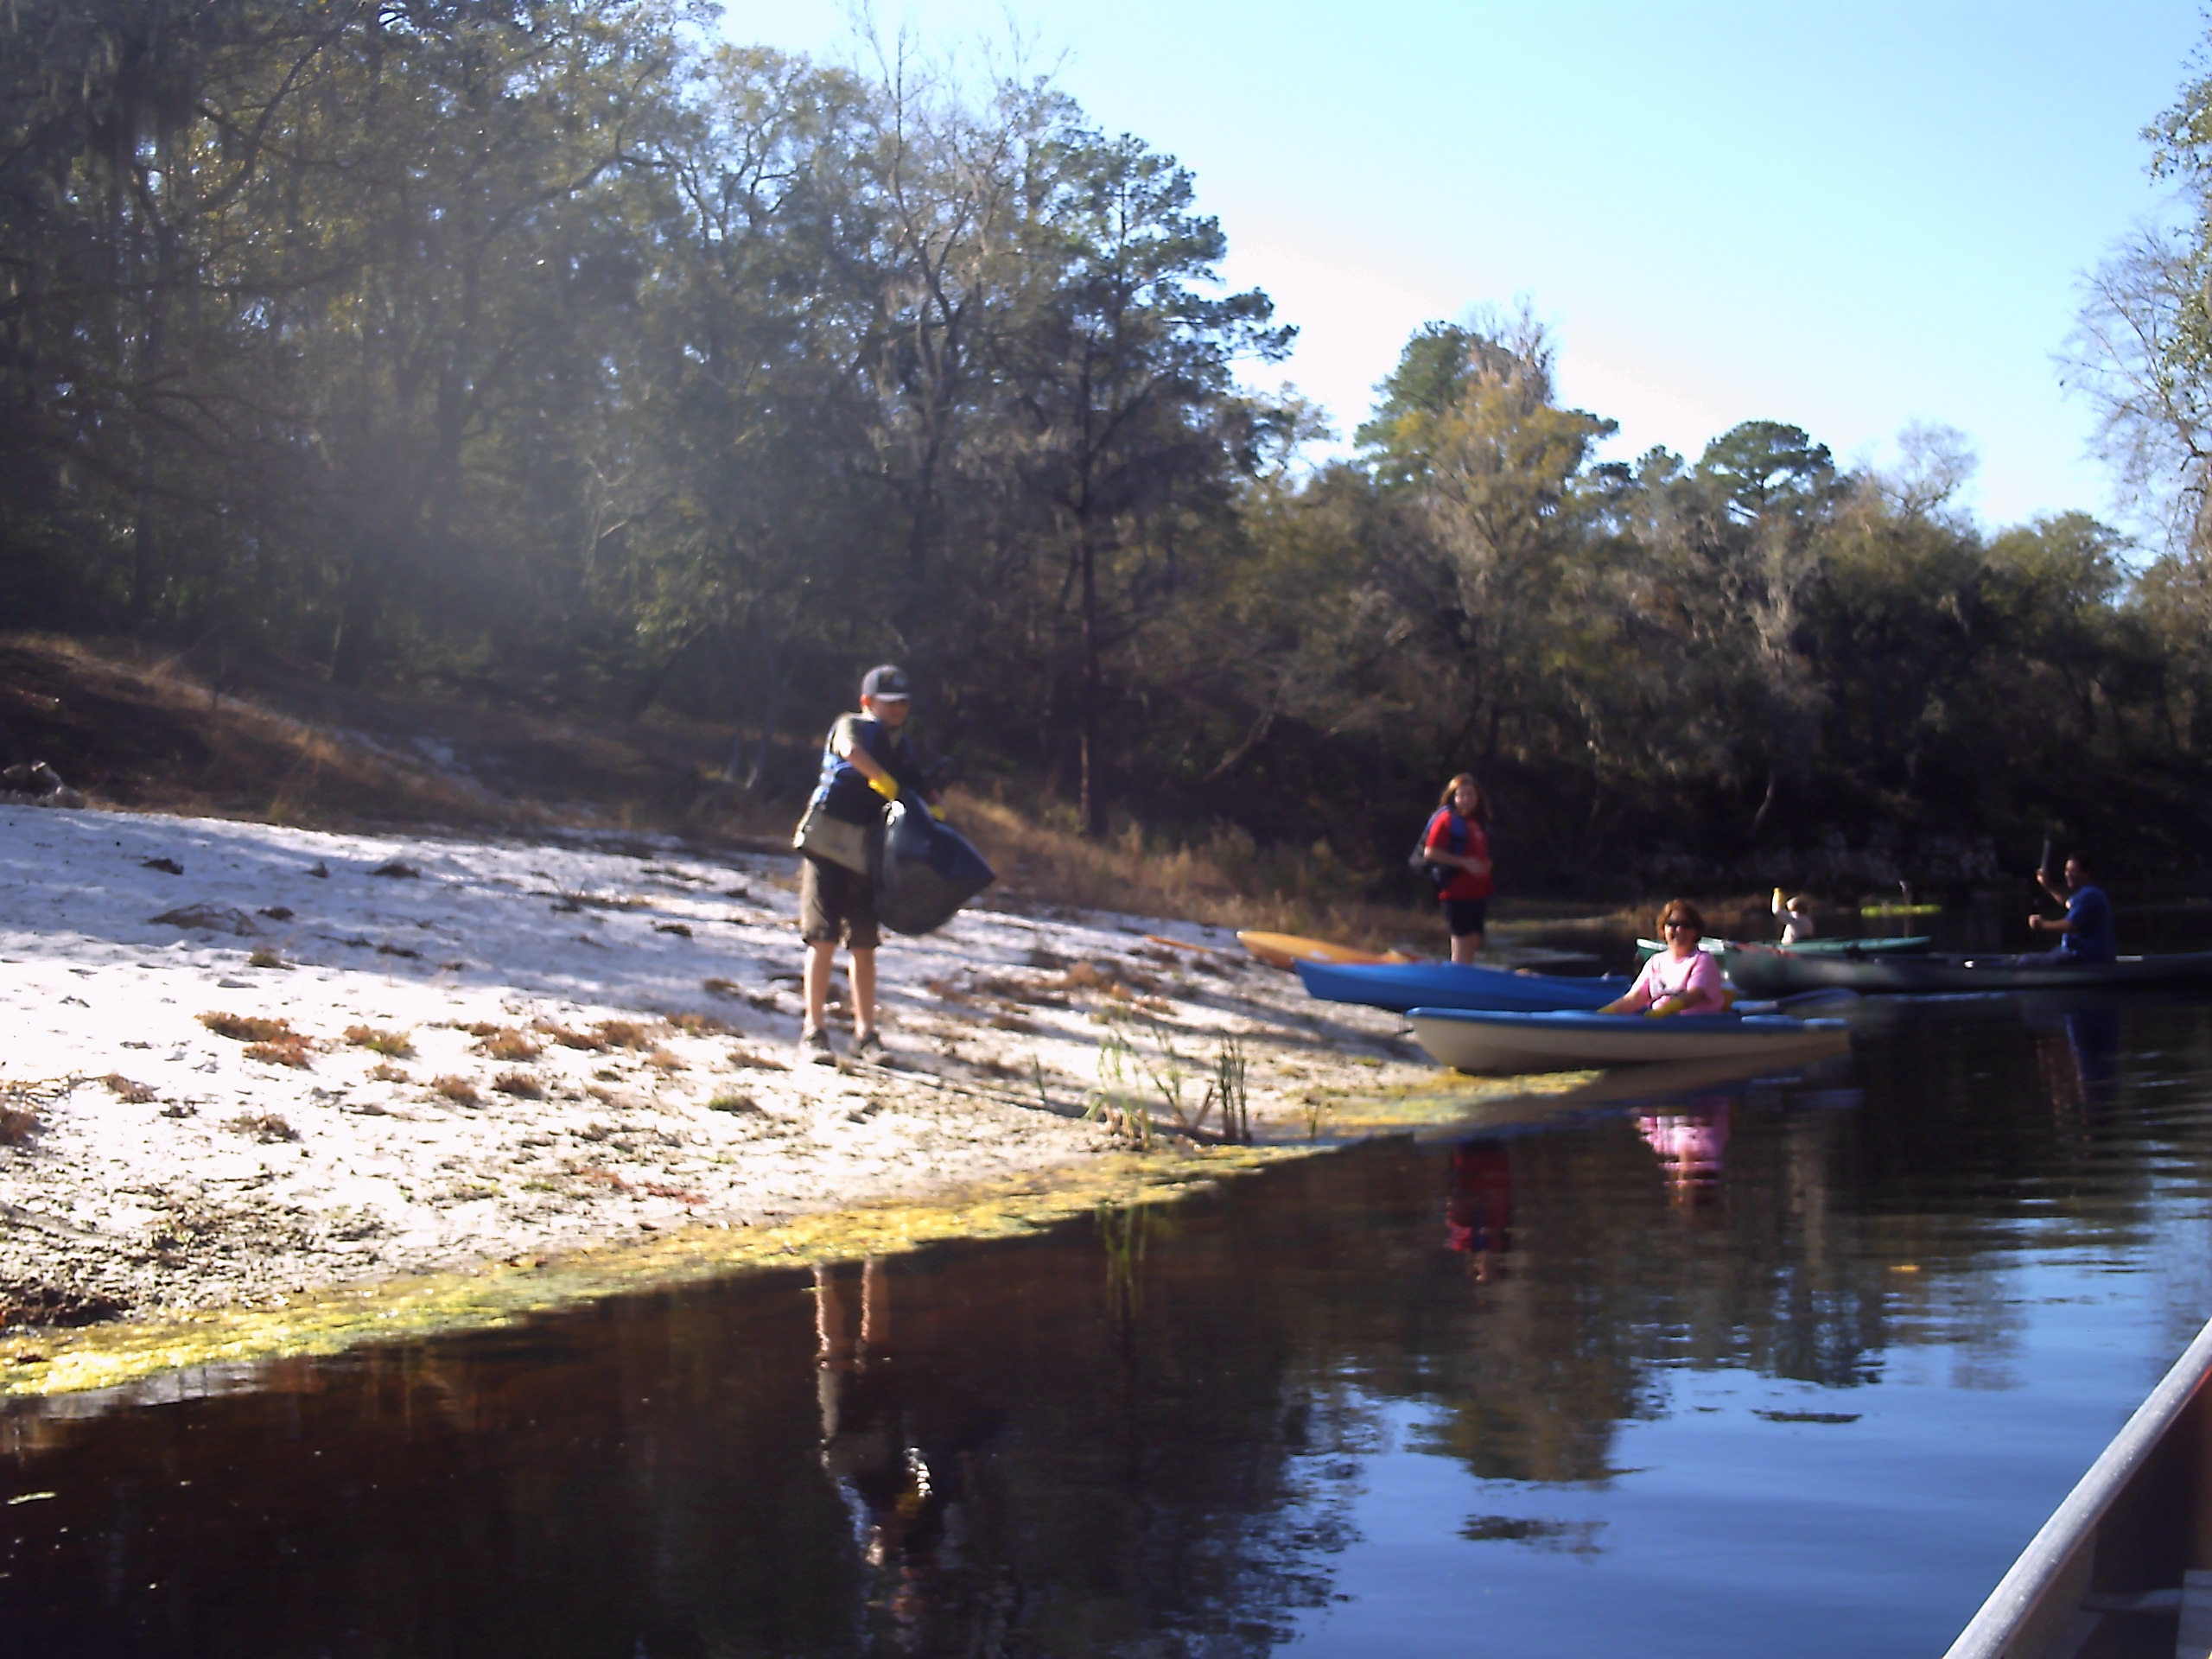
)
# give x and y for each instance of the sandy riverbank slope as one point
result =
(593, 1044)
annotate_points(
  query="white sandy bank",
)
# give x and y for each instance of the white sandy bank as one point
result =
(203, 1175)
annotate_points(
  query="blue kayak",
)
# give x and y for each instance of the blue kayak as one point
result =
(1399, 986)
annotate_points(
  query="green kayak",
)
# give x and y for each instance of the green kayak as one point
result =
(1760, 970)
(1913, 945)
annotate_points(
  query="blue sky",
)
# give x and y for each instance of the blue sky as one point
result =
(1847, 218)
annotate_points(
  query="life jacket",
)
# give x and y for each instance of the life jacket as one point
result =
(1439, 875)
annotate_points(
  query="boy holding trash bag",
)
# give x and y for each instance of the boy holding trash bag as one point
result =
(867, 763)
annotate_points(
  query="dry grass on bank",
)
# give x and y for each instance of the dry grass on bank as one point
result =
(1228, 881)
(136, 727)
(142, 731)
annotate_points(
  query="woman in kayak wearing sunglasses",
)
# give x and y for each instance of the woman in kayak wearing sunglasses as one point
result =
(1681, 979)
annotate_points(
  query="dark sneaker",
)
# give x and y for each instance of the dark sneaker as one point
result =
(814, 1048)
(869, 1048)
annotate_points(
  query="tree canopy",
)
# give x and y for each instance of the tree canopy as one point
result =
(532, 349)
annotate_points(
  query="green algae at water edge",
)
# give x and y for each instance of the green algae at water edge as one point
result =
(329, 1321)
(1443, 1102)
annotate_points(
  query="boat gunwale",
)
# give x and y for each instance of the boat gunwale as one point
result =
(1571, 1019)
(2044, 1566)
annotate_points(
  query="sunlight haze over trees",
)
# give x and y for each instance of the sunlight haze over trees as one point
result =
(593, 353)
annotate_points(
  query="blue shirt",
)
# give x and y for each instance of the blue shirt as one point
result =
(2091, 938)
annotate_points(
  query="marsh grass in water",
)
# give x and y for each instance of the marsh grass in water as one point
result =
(1129, 1076)
(1230, 1091)
(1123, 1232)
(1168, 1072)
(1125, 1110)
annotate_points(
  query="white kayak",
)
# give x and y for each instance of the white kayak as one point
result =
(1468, 1040)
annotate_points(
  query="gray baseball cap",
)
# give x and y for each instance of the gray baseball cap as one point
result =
(886, 685)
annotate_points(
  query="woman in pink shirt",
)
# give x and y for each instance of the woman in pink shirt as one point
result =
(1681, 979)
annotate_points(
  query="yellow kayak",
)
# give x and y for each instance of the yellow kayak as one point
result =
(1287, 950)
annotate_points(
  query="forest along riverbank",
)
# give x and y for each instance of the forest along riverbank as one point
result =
(247, 1062)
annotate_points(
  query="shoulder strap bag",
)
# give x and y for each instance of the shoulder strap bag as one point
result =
(852, 845)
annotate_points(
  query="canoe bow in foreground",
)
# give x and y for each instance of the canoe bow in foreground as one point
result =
(2126, 1547)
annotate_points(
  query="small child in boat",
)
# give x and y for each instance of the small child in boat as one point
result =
(1795, 915)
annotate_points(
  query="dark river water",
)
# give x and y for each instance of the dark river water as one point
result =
(1790, 1366)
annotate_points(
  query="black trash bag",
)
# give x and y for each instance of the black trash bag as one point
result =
(925, 871)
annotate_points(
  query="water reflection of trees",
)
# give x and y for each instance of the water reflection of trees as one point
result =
(1138, 1435)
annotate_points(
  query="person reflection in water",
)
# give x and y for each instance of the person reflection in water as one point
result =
(2093, 1040)
(1479, 1214)
(883, 1477)
(1690, 1146)
(2080, 1063)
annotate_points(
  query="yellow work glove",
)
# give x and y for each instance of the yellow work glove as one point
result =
(886, 786)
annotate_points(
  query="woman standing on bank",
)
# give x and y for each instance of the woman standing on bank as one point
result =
(1456, 845)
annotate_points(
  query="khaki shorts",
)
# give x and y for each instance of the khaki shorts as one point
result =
(835, 906)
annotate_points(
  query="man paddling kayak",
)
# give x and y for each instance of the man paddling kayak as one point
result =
(2087, 927)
